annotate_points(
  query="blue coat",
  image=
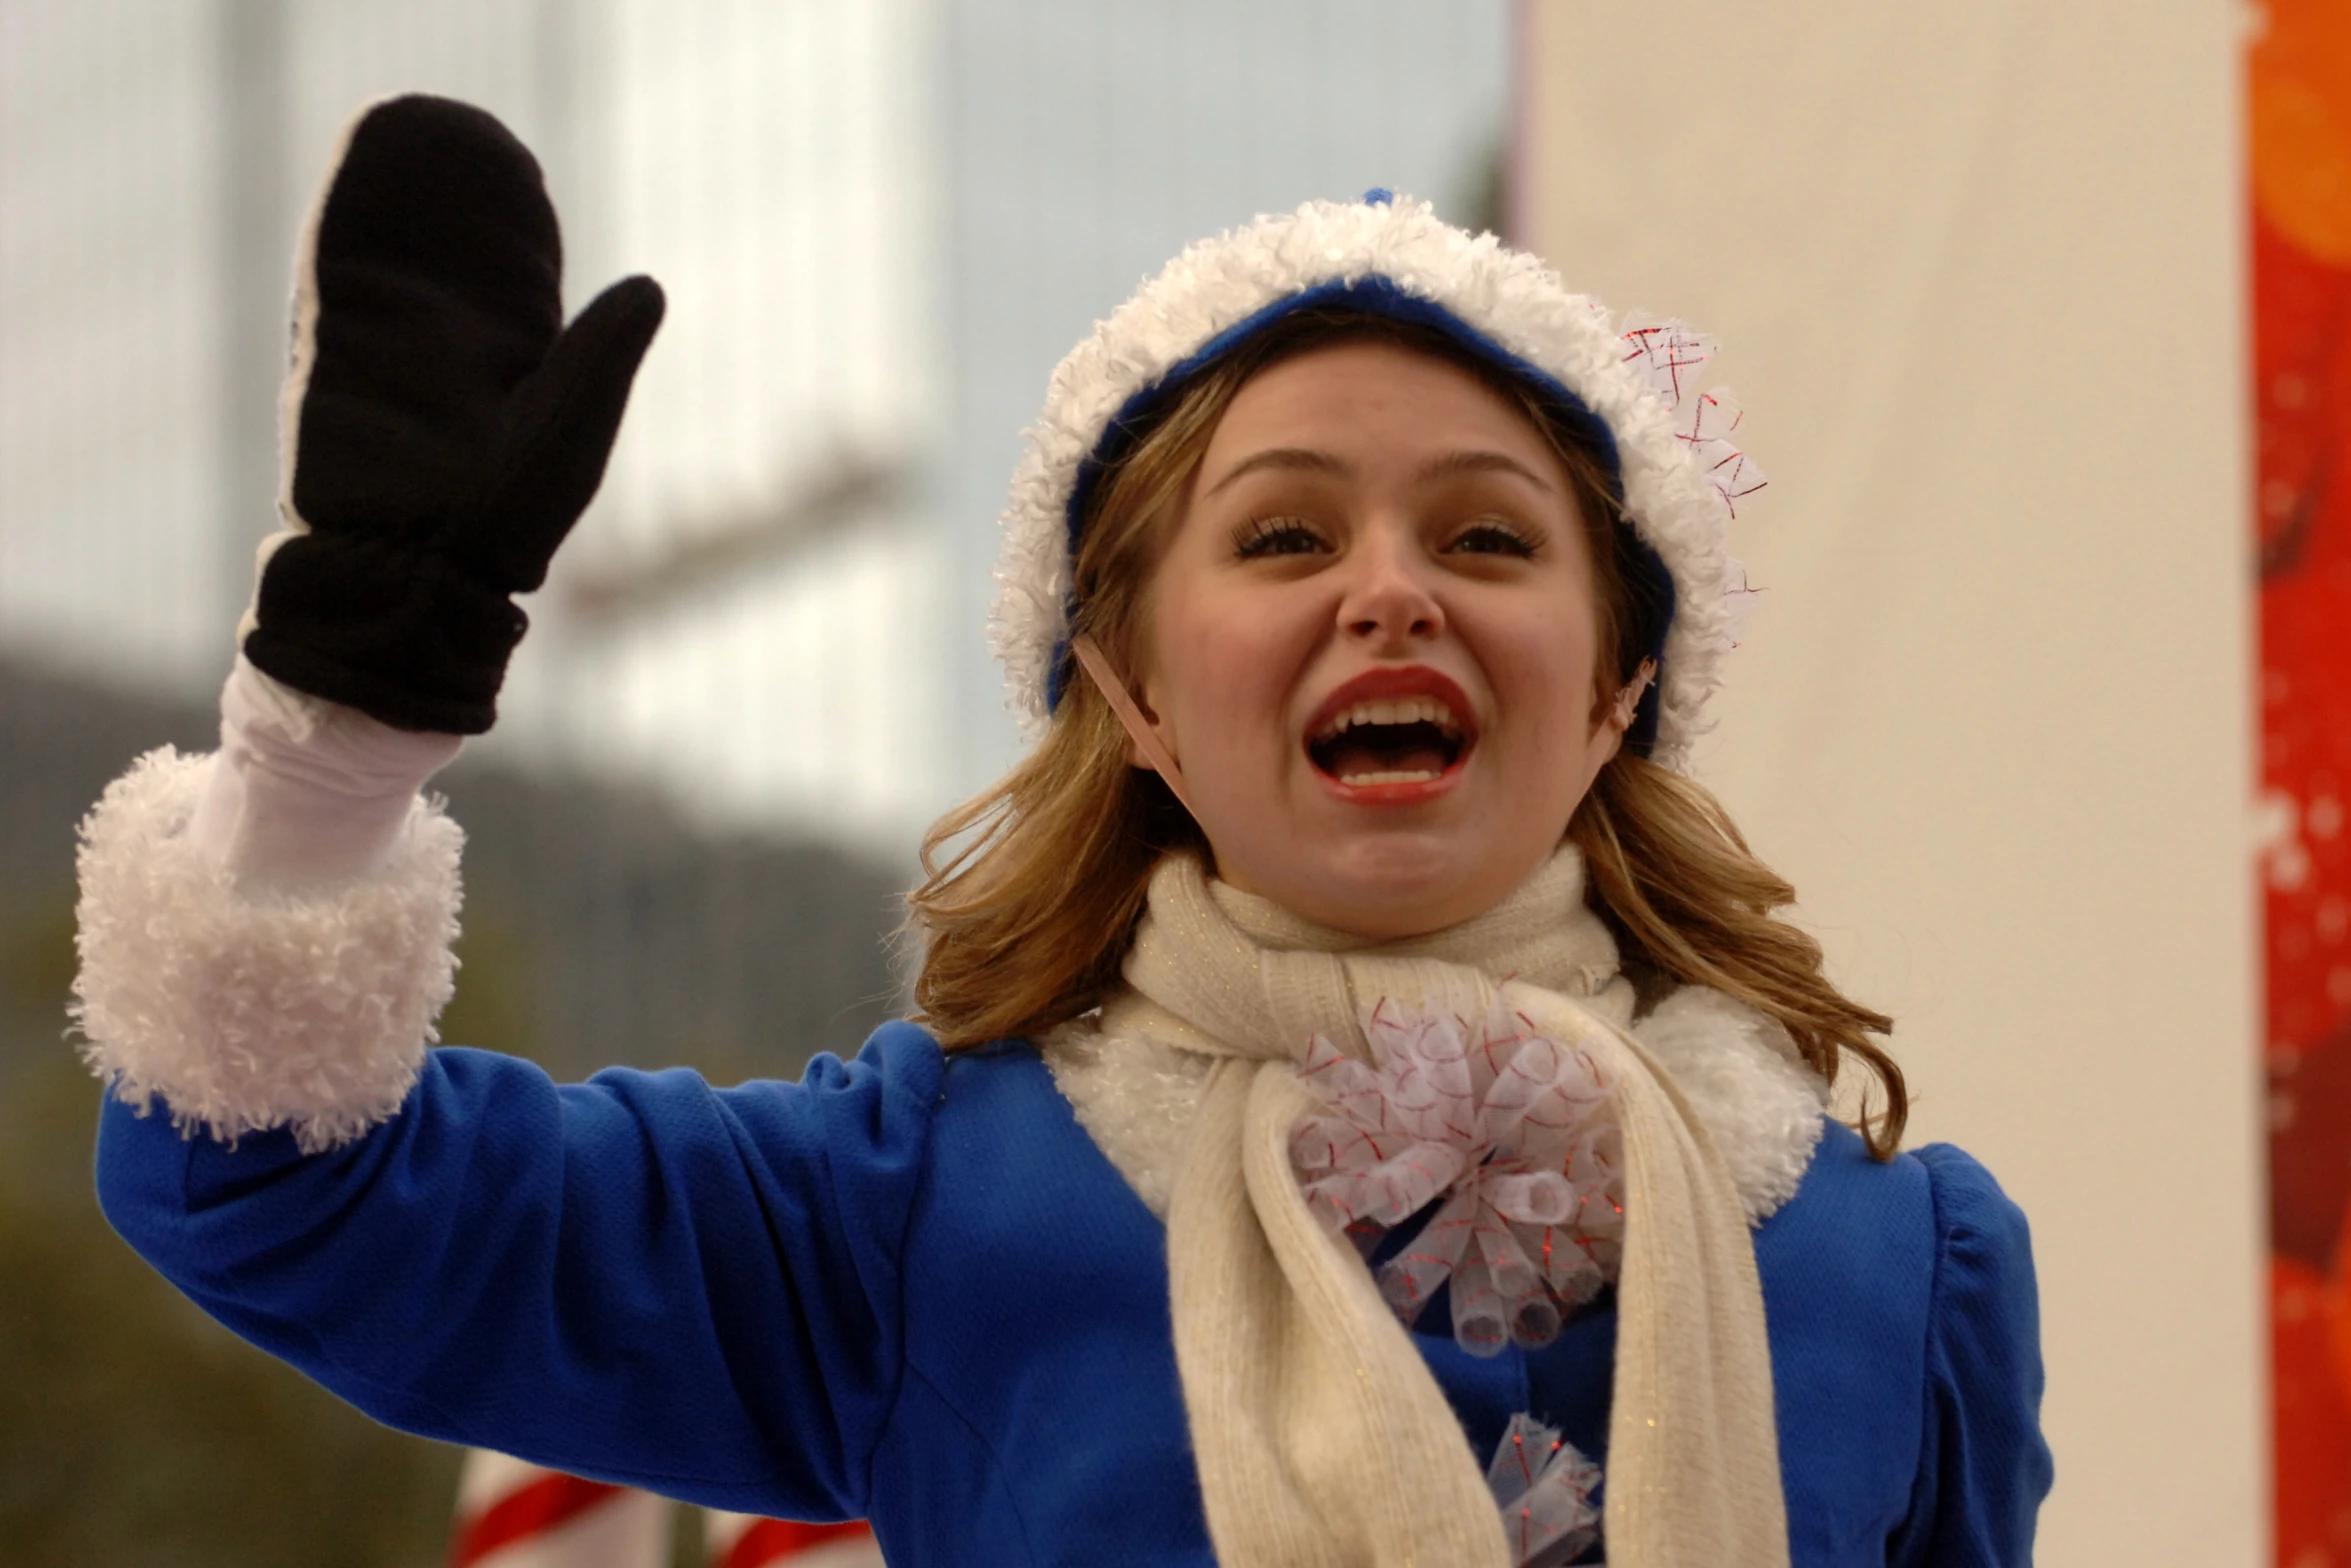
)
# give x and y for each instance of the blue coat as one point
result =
(910, 1287)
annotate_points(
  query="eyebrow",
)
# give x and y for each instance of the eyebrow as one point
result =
(1282, 457)
(1480, 462)
(1306, 459)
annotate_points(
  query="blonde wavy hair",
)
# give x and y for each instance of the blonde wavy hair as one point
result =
(1031, 889)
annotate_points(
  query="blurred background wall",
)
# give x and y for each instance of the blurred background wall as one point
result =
(1979, 270)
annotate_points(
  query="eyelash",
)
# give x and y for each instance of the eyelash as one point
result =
(1517, 540)
(1263, 536)
(1267, 536)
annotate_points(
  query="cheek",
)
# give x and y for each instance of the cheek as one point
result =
(1217, 658)
(1548, 672)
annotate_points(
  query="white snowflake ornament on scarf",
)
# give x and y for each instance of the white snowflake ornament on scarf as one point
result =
(1510, 1126)
(1543, 1484)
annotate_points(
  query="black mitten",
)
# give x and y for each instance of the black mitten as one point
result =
(444, 430)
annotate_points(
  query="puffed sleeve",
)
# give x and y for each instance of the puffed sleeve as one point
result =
(638, 1278)
(1984, 1467)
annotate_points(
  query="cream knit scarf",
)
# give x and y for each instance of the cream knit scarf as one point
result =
(1323, 1441)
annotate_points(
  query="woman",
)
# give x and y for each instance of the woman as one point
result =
(1362, 1109)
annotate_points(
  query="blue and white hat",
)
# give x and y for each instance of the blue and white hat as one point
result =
(1679, 472)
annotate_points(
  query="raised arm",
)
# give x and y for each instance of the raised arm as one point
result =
(604, 1277)
(265, 932)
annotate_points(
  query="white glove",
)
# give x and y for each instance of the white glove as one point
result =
(304, 792)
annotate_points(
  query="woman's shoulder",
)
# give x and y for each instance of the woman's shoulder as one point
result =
(1971, 1208)
(996, 1091)
(956, 1079)
(903, 1060)
(1931, 1226)
(891, 1097)
(1938, 1187)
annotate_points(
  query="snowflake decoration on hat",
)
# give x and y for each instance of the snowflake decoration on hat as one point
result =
(1669, 354)
(1510, 1126)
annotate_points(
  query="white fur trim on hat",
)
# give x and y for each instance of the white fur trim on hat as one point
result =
(1508, 296)
(246, 1009)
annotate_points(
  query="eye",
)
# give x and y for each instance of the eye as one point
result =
(1262, 536)
(1497, 536)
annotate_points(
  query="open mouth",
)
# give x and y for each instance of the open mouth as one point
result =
(1389, 740)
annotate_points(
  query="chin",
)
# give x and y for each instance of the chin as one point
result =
(1402, 885)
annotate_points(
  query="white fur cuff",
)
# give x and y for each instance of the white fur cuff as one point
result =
(244, 1008)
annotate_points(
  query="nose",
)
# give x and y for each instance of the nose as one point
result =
(1389, 598)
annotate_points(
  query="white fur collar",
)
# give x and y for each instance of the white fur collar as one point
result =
(1137, 1097)
(1741, 1073)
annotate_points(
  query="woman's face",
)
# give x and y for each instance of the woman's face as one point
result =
(1371, 643)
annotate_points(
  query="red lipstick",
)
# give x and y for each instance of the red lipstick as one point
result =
(1391, 683)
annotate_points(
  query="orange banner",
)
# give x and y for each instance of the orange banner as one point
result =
(2299, 84)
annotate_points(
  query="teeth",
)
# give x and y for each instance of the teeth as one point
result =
(1394, 710)
(1414, 776)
